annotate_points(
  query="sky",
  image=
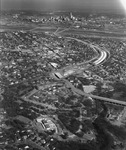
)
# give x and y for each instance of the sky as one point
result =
(106, 5)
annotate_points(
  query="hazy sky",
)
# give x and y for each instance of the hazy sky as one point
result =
(113, 5)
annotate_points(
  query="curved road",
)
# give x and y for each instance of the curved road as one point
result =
(102, 55)
(61, 75)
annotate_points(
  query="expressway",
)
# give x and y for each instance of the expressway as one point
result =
(102, 56)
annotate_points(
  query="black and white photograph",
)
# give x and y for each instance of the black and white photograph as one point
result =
(62, 74)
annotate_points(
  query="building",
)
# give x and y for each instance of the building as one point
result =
(47, 123)
(72, 17)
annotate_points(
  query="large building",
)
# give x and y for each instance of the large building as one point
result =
(47, 123)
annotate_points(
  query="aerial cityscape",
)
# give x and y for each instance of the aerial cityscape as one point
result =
(62, 77)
